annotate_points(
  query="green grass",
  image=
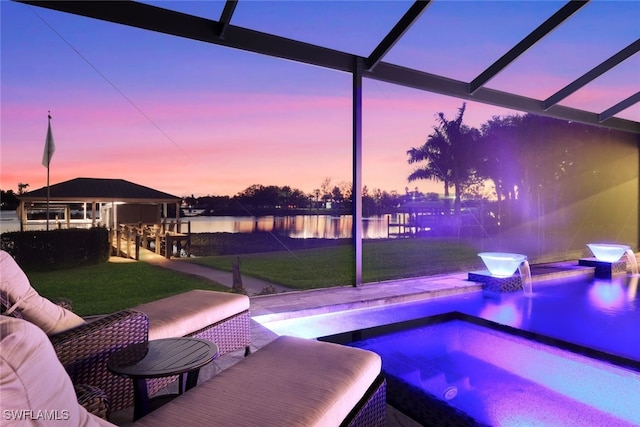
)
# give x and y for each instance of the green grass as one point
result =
(114, 286)
(301, 269)
(333, 266)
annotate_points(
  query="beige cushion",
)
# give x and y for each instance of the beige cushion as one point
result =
(289, 382)
(182, 314)
(34, 387)
(51, 318)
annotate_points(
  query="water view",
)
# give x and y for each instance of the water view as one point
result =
(295, 226)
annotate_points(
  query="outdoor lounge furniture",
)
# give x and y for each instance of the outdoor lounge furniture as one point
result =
(85, 349)
(84, 345)
(35, 388)
(220, 317)
(289, 382)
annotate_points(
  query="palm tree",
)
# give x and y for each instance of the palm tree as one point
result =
(502, 161)
(450, 155)
(22, 187)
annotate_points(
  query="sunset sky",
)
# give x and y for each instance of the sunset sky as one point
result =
(186, 117)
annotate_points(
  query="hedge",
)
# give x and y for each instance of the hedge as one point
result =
(57, 249)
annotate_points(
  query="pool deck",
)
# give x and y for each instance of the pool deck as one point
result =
(288, 303)
(306, 303)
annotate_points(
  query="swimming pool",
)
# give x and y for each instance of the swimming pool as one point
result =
(462, 370)
(599, 317)
(600, 314)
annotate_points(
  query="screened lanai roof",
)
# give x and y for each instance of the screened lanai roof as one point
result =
(587, 49)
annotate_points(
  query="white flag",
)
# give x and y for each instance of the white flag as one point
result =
(49, 147)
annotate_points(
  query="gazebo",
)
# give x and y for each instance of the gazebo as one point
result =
(134, 214)
(88, 202)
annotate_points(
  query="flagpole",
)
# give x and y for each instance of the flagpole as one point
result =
(48, 194)
(48, 162)
(49, 149)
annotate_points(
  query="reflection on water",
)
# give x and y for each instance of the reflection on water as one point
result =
(296, 226)
(9, 221)
(607, 295)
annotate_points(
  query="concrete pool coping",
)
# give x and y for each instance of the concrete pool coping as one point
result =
(294, 304)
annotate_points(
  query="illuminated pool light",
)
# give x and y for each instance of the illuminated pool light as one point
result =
(502, 264)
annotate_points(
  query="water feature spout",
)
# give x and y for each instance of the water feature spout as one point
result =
(632, 262)
(525, 277)
(504, 264)
(609, 252)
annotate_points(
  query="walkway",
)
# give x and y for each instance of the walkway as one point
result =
(225, 278)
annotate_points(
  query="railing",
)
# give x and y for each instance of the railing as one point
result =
(130, 237)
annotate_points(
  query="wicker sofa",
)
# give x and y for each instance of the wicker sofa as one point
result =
(289, 382)
(85, 349)
(220, 317)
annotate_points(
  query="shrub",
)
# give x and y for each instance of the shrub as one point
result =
(57, 249)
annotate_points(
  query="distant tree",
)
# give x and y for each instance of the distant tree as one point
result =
(450, 153)
(325, 189)
(336, 195)
(271, 197)
(385, 201)
(346, 188)
(22, 187)
(316, 196)
(523, 166)
(292, 198)
(8, 200)
(190, 200)
(502, 157)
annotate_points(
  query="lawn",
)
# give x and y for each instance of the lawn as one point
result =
(333, 266)
(114, 286)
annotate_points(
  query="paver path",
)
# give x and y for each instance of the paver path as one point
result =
(252, 285)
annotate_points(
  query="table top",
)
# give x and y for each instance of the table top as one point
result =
(161, 358)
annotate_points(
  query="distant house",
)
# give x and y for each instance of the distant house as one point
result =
(87, 202)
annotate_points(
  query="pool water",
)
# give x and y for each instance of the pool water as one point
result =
(593, 318)
(490, 376)
(599, 314)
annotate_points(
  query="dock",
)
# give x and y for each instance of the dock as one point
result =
(166, 239)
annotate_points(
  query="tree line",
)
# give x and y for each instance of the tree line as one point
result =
(525, 164)
(520, 165)
(260, 199)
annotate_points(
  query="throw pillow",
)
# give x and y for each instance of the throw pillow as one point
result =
(34, 386)
(50, 317)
